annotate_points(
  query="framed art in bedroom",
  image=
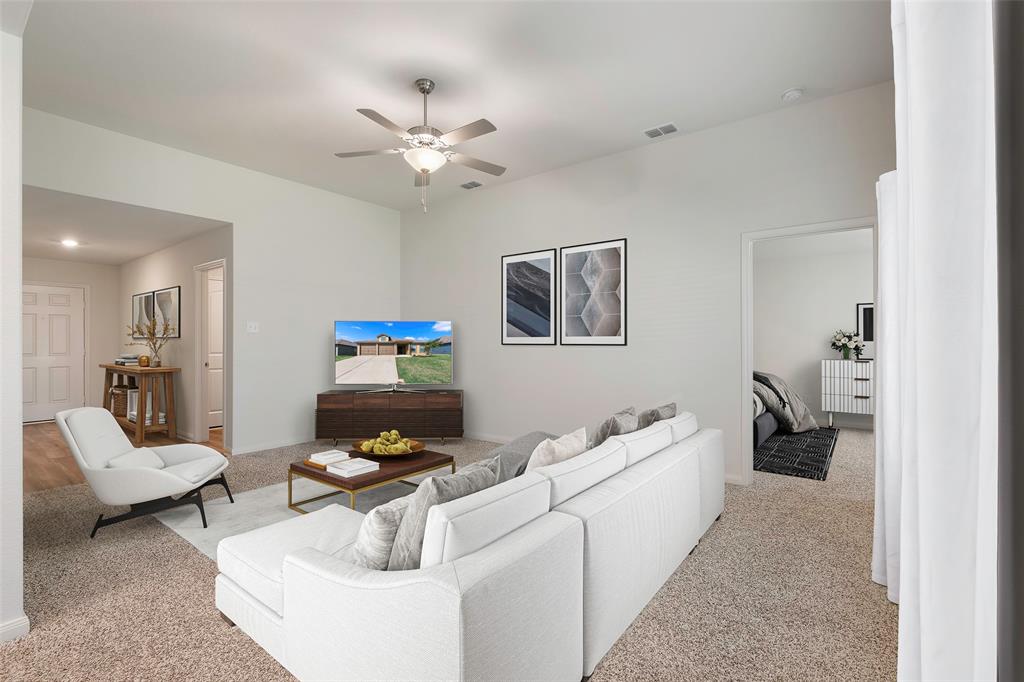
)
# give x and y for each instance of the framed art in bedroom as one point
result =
(528, 286)
(866, 328)
(593, 294)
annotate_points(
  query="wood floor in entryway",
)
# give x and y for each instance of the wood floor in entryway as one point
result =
(49, 464)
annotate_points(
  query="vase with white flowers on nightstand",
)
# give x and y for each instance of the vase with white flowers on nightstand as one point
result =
(847, 343)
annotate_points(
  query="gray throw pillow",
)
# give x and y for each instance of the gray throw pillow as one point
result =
(619, 423)
(376, 537)
(656, 414)
(434, 490)
(513, 457)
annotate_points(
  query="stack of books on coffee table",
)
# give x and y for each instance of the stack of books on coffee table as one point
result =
(320, 460)
(340, 464)
(353, 466)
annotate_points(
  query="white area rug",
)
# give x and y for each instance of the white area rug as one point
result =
(261, 507)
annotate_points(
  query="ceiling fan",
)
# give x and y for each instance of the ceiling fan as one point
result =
(429, 149)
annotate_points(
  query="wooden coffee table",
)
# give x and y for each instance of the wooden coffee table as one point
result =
(392, 470)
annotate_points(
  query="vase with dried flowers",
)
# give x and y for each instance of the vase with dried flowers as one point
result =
(153, 338)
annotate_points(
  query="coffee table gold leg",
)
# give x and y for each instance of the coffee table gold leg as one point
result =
(352, 499)
(289, 489)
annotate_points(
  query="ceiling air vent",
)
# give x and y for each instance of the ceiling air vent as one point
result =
(472, 184)
(666, 129)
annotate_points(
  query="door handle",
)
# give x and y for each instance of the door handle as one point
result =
(206, 364)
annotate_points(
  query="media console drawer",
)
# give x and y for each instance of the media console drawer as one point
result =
(344, 414)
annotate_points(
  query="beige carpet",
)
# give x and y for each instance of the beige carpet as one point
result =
(778, 589)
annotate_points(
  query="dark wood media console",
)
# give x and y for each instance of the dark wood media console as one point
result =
(353, 414)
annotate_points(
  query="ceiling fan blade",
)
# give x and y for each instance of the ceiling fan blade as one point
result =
(374, 152)
(468, 132)
(463, 160)
(421, 180)
(387, 123)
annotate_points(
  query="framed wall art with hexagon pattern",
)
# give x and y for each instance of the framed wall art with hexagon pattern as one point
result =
(593, 294)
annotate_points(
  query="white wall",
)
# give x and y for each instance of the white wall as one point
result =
(298, 255)
(102, 308)
(805, 288)
(683, 204)
(170, 267)
(13, 622)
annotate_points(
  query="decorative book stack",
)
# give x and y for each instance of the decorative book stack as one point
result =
(353, 466)
(320, 460)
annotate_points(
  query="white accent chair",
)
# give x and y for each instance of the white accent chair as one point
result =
(149, 480)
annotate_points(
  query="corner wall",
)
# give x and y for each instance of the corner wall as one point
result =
(13, 622)
(171, 267)
(683, 204)
(296, 254)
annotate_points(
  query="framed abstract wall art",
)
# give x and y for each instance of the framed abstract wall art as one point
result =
(593, 294)
(528, 293)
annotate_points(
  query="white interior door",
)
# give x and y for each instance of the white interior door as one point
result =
(53, 349)
(215, 346)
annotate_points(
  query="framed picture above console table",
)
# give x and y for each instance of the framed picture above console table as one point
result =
(358, 414)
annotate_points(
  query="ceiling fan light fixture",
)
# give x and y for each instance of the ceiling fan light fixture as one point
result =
(424, 159)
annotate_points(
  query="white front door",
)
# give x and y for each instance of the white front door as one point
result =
(53, 349)
(215, 346)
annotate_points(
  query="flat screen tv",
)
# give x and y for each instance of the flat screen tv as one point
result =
(392, 352)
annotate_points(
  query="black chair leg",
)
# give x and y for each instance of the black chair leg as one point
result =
(96, 527)
(199, 503)
(224, 482)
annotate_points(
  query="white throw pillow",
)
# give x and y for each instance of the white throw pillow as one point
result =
(553, 451)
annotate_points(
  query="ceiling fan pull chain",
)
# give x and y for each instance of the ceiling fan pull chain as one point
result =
(423, 192)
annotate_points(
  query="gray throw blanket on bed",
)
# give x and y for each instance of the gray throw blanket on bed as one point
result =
(783, 402)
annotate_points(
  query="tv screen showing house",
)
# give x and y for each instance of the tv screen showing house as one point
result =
(392, 352)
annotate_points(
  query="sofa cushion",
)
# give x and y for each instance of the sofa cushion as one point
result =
(683, 426)
(513, 456)
(624, 421)
(98, 436)
(254, 560)
(553, 451)
(645, 442)
(433, 491)
(460, 527)
(139, 458)
(657, 414)
(573, 476)
(376, 538)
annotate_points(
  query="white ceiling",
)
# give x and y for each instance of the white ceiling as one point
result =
(108, 232)
(273, 86)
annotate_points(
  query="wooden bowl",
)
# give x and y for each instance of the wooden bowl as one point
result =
(414, 445)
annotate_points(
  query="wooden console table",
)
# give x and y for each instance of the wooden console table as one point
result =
(356, 414)
(143, 376)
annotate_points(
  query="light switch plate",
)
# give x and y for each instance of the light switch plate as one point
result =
(252, 327)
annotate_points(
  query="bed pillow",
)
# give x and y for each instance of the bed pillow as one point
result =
(619, 423)
(435, 490)
(656, 414)
(376, 538)
(554, 451)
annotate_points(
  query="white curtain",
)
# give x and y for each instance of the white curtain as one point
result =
(935, 530)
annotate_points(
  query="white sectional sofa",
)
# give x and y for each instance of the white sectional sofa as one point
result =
(532, 579)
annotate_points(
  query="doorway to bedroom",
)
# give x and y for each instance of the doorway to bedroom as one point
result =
(809, 341)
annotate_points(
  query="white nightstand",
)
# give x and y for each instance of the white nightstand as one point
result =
(847, 386)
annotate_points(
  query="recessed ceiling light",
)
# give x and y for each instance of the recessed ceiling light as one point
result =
(792, 95)
(70, 243)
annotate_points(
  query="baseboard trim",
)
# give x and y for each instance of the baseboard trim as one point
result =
(270, 445)
(734, 480)
(13, 629)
